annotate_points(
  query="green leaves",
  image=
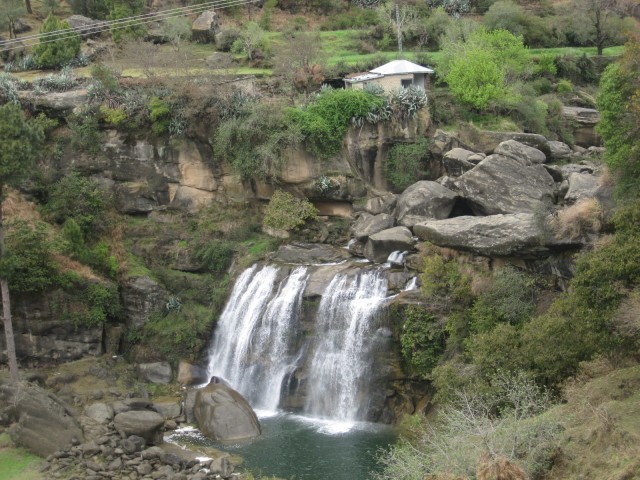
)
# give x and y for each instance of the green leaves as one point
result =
(52, 54)
(286, 212)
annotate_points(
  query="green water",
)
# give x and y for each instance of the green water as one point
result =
(298, 448)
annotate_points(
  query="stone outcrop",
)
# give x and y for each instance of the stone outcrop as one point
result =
(584, 121)
(87, 27)
(382, 204)
(456, 161)
(381, 244)
(156, 372)
(559, 150)
(581, 186)
(100, 412)
(521, 234)
(424, 200)
(370, 225)
(40, 421)
(486, 141)
(520, 151)
(502, 184)
(205, 27)
(141, 296)
(189, 374)
(224, 415)
(142, 423)
(56, 104)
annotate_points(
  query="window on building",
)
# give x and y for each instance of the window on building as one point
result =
(406, 83)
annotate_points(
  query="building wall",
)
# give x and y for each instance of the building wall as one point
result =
(393, 82)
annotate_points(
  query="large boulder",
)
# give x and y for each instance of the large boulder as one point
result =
(380, 245)
(156, 372)
(223, 415)
(142, 423)
(494, 235)
(41, 422)
(422, 201)
(382, 204)
(487, 141)
(581, 185)
(520, 151)
(57, 104)
(87, 27)
(456, 161)
(584, 121)
(205, 27)
(559, 150)
(189, 374)
(100, 412)
(501, 184)
(371, 225)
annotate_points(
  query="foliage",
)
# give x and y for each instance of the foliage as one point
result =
(505, 422)
(481, 68)
(287, 212)
(407, 102)
(9, 86)
(324, 122)
(422, 339)
(564, 86)
(53, 54)
(160, 114)
(88, 303)
(299, 60)
(105, 76)
(405, 164)
(57, 82)
(20, 143)
(598, 23)
(216, 255)
(267, 13)
(113, 116)
(85, 131)
(619, 104)
(251, 39)
(176, 30)
(452, 7)
(28, 264)
(254, 143)
(226, 38)
(97, 9)
(80, 199)
(443, 280)
(509, 299)
(122, 9)
(576, 68)
(10, 12)
(98, 257)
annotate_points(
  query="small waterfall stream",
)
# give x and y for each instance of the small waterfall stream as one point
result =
(259, 342)
(338, 375)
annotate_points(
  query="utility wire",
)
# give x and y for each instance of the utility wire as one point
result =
(102, 24)
(126, 22)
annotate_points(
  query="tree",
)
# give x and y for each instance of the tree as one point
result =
(20, 143)
(619, 104)
(597, 22)
(122, 9)
(399, 18)
(10, 11)
(177, 30)
(299, 60)
(90, 8)
(251, 39)
(58, 50)
(482, 67)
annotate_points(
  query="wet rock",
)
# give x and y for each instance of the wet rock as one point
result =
(310, 253)
(380, 245)
(189, 374)
(424, 200)
(224, 415)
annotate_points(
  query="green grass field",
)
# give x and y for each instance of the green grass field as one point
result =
(16, 463)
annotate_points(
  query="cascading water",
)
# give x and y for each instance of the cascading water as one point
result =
(252, 347)
(341, 362)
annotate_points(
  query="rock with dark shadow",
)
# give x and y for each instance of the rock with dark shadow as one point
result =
(380, 245)
(142, 423)
(422, 201)
(223, 415)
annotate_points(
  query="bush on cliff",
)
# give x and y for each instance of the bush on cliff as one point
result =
(286, 212)
(53, 54)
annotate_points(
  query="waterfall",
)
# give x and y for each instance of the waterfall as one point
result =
(253, 341)
(341, 362)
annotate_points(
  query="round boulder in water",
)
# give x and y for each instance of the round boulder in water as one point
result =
(223, 415)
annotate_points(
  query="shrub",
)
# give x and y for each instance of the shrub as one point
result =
(87, 303)
(577, 69)
(113, 116)
(90, 8)
(160, 114)
(443, 280)
(226, 38)
(564, 86)
(286, 212)
(85, 131)
(422, 340)
(325, 121)
(81, 199)
(509, 299)
(123, 9)
(582, 218)
(254, 143)
(53, 54)
(216, 255)
(542, 86)
(61, 82)
(28, 264)
(405, 164)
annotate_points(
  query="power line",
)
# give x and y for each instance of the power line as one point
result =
(102, 24)
(118, 24)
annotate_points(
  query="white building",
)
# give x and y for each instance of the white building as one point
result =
(393, 75)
